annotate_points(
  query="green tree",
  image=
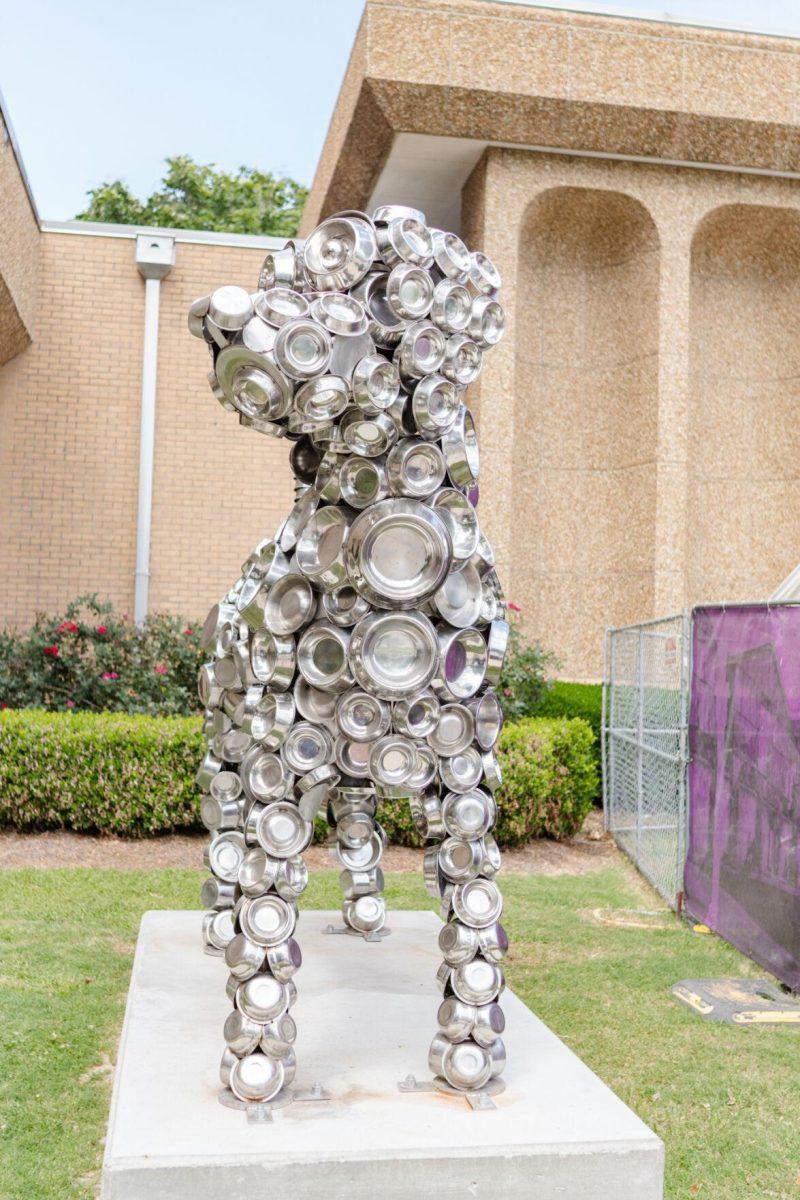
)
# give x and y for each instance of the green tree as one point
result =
(194, 196)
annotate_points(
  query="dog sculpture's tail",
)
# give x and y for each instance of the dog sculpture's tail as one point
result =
(355, 659)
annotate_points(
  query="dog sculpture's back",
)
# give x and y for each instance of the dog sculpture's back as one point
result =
(355, 659)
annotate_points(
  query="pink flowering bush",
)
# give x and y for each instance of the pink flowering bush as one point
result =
(524, 681)
(88, 658)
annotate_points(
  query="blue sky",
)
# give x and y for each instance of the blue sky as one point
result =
(97, 91)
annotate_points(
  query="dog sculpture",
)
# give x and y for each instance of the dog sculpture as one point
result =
(356, 657)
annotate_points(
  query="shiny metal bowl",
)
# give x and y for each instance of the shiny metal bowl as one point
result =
(409, 292)
(307, 746)
(362, 717)
(451, 256)
(322, 657)
(289, 606)
(416, 717)
(362, 481)
(272, 659)
(434, 406)
(460, 598)
(460, 447)
(369, 436)
(421, 350)
(461, 520)
(303, 349)
(462, 662)
(454, 730)
(278, 305)
(398, 552)
(320, 547)
(469, 814)
(415, 468)
(339, 252)
(253, 383)
(375, 384)
(340, 314)
(462, 360)
(451, 307)
(394, 655)
(392, 760)
(462, 772)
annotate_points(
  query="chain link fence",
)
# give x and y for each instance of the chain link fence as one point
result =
(645, 746)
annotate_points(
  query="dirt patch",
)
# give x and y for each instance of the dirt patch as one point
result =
(591, 850)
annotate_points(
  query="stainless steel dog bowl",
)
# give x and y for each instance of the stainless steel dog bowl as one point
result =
(352, 757)
(267, 920)
(460, 447)
(243, 957)
(264, 775)
(320, 547)
(272, 659)
(344, 606)
(415, 468)
(405, 240)
(292, 877)
(451, 307)
(477, 903)
(216, 894)
(278, 1036)
(392, 760)
(322, 657)
(303, 349)
(322, 400)
(282, 830)
(462, 360)
(462, 662)
(487, 322)
(409, 292)
(497, 643)
(458, 943)
(451, 256)
(257, 1077)
(312, 704)
(307, 746)
(469, 814)
(261, 999)
(368, 436)
(257, 872)
(456, 1018)
(483, 274)
(493, 942)
(278, 305)
(340, 314)
(462, 772)
(421, 350)
(459, 599)
(434, 406)
(271, 719)
(224, 855)
(425, 767)
(464, 1065)
(461, 520)
(230, 307)
(416, 717)
(397, 553)
(454, 730)
(362, 717)
(477, 982)
(283, 961)
(218, 930)
(489, 1024)
(253, 383)
(366, 914)
(375, 384)
(394, 655)
(362, 481)
(289, 606)
(339, 252)
(459, 860)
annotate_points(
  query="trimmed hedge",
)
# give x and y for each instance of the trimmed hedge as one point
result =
(134, 775)
(584, 700)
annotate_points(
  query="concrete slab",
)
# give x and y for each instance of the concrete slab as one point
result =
(366, 1014)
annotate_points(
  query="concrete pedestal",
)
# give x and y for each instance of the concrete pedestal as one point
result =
(366, 1014)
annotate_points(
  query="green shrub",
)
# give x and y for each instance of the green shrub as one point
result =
(524, 678)
(549, 779)
(89, 658)
(106, 772)
(134, 775)
(584, 700)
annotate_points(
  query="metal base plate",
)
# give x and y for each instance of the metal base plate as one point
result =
(376, 935)
(260, 1112)
(480, 1099)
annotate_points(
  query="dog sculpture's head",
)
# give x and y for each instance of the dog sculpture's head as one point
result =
(363, 336)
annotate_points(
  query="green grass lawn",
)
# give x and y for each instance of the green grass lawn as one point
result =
(723, 1099)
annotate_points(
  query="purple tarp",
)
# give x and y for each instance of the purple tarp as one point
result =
(742, 874)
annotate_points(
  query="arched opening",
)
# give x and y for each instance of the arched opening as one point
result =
(585, 420)
(744, 434)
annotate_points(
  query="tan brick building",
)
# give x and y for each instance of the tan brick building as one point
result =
(638, 184)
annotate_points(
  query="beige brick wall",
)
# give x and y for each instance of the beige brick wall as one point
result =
(19, 254)
(69, 440)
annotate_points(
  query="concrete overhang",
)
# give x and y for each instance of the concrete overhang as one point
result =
(431, 83)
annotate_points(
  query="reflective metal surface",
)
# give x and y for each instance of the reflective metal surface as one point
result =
(356, 658)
